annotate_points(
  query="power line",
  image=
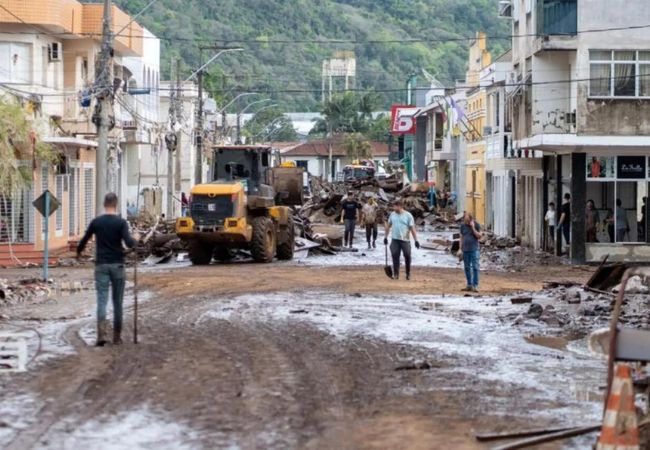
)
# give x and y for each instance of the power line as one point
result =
(326, 41)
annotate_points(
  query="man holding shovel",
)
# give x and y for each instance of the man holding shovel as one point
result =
(110, 230)
(399, 225)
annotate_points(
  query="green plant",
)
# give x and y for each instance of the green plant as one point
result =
(357, 147)
(18, 142)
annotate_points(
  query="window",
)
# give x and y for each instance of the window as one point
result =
(15, 62)
(619, 73)
(303, 164)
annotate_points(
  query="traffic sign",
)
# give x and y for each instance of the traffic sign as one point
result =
(39, 204)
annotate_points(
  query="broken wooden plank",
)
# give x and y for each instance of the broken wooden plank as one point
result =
(485, 437)
(521, 300)
(529, 442)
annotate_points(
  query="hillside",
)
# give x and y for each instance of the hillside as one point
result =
(295, 63)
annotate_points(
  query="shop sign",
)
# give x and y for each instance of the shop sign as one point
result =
(631, 167)
(402, 120)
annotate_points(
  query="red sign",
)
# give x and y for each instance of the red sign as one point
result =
(402, 120)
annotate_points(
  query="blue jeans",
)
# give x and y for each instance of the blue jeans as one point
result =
(112, 275)
(472, 260)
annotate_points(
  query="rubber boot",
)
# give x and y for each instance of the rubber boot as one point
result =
(117, 337)
(101, 333)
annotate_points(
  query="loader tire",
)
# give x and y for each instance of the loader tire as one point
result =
(200, 253)
(224, 254)
(264, 240)
(286, 241)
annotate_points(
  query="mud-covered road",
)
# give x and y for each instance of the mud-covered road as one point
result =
(296, 356)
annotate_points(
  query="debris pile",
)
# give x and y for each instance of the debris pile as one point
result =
(30, 289)
(158, 240)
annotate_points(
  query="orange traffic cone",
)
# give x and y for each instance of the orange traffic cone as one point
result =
(620, 430)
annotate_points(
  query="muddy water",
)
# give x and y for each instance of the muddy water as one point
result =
(474, 333)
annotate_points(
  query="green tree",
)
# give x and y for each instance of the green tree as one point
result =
(18, 142)
(270, 124)
(357, 146)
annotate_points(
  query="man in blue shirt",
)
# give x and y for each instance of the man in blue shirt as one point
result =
(399, 225)
(470, 233)
(110, 230)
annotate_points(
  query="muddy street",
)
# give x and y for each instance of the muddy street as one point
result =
(297, 356)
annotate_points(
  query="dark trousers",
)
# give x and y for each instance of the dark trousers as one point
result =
(397, 247)
(350, 225)
(111, 276)
(371, 232)
(566, 231)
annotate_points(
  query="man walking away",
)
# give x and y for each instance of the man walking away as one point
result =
(400, 223)
(110, 230)
(470, 233)
(564, 224)
(349, 215)
(370, 220)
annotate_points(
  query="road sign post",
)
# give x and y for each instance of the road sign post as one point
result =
(46, 204)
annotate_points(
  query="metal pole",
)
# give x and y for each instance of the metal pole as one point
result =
(198, 167)
(46, 252)
(178, 100)
(103, 83)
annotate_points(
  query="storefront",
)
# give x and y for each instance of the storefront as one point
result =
(616, 207)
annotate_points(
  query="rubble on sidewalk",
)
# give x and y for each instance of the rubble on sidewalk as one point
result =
(21, 291)
(158, 240)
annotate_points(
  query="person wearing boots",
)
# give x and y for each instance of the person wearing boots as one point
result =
(369, 218)
(110, 230)
(349, 215)
(399, 225)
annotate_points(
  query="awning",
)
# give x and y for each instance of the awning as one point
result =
(70, 141)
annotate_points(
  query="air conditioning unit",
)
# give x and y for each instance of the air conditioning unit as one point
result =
(55, 52)
(487, 131)
(505, 9)
(129, 125)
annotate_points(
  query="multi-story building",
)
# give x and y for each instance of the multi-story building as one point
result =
(582, 98)
(48, 51)
(475, 193)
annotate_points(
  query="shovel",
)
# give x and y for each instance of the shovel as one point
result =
(387, 268)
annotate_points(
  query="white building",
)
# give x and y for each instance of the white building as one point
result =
(583, 68)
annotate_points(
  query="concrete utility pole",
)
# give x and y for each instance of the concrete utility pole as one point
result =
(103, 109)
(179, 120)
(172, 145)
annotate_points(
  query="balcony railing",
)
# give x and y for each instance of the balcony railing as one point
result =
(557, 17)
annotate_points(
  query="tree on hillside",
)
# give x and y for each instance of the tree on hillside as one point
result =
(270, 124)
(357, 147)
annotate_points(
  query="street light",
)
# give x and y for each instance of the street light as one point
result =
(198, 169)
(238, 141)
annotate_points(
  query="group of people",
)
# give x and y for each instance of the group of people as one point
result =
(616, 222)
(400, 227)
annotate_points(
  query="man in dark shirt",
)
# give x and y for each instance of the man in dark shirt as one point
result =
(470, 235)
(565, 219)
(350, 214)
(110, 230)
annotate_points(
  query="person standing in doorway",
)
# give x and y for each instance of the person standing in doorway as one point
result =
(622, 224)
(370, 219)
(399, 226)
(564, 225)
(470, 233)
(110, 230)
(641, 224)
(592, 220)
(350, 215)
(549, 218)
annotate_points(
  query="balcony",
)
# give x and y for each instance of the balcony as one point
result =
(557, 17)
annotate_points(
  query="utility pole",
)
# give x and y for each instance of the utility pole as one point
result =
(179, 119)
(103, 108)
(198, 163)
(172, 145)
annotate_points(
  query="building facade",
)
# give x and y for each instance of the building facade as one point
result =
(583, 101)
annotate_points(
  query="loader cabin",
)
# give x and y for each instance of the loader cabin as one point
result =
(354, 172)
(244, 163)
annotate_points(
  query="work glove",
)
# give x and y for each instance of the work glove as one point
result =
(385, 241)
(417, 244)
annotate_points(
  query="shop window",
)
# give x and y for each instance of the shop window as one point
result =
(618, 188)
